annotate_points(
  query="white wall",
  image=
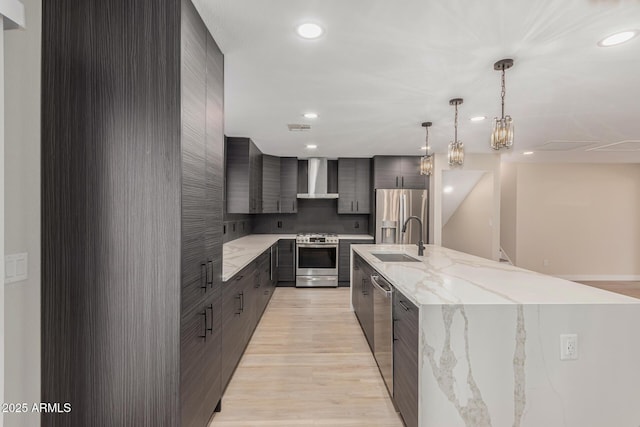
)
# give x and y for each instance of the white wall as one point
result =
(583, 219)
(485, 162)
(470, 228)
(2, 216)
(22, 212)
(508, 210)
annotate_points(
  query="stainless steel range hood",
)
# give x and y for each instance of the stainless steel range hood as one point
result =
(317, 180)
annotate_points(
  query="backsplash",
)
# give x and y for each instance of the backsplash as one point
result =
(314, 215)
(235, 226)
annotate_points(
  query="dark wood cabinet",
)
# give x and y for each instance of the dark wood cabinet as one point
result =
(344, 257)
(244, 176)
(244, 299)
(286, 260)
(405, 358)
(288, 185)
(270, 184)
(354, 186)
(362, 296)
(398, 172)
(132, 155)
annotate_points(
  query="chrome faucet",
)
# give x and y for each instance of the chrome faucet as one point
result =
(420, 242)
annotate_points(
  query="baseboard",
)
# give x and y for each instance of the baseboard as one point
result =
(600, 277)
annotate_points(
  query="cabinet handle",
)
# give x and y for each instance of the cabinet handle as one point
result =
(396, 182)
(204, 313)
(403, 182)
(278, 205)
(352, 206)
(402, 304)
(293, 206)
(239, 277)
(357, 206)
(364, 286)
(209, 307)
(241, 302)
(203, 277)
(210, 279)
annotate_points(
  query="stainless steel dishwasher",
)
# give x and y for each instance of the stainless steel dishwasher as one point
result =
(383, 328)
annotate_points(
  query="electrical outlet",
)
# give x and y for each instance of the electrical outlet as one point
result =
(568, 347)
(356, 225)
(546, 263)
(279, 224)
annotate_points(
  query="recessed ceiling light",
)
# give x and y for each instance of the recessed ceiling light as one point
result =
(478, 118)
(448, 189)
(309, 30)
(528, 153)
(618, 38)
(311, 115)
(311, 146)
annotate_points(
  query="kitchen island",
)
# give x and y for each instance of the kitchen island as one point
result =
(488, 342)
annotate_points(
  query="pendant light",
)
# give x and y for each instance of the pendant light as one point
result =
(456, 148)
(426, 162)
(502, 132)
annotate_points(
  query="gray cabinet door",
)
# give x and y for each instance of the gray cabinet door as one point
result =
(270, 184)
(387, 172)
(244, 176)
(410, 176)
(405, 358)
(362, 184)
(346, 186)
(344, 257)
(255, 183)
(288, 184)
(286, 260)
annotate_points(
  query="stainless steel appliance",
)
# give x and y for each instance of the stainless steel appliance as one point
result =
(317, 180)
(317, 260)
(393, 207)
(383, 328)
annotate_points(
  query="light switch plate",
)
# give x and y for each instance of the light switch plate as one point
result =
(16, 267)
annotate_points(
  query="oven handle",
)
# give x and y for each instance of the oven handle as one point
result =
(320, 246)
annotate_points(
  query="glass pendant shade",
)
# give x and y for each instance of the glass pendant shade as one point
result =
(426, 165)
(502, 133)
(456, 153)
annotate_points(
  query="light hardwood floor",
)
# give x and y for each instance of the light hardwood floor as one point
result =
(631, 289)
(308, 364)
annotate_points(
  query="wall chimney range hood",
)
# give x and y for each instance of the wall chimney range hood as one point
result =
(317, 180)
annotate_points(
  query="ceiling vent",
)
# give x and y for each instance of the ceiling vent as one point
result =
(565, 145)
(293, 127)
(628, 145)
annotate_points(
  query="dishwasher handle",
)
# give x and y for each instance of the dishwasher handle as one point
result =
(385, 288)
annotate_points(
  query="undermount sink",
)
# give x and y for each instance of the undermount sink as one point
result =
(394, 257)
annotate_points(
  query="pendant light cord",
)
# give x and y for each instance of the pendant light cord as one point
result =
(455, 136)
(504, 91)
(427, 141)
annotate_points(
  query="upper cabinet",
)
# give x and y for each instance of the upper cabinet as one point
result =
(270, 184)
(288, 185)
(244, 176)
(398, 172)
(354, 186)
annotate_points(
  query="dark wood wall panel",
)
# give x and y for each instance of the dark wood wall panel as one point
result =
(111, 211)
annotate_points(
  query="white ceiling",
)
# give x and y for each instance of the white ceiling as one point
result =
(383, 67)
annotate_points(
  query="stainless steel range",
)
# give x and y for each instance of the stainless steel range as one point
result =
(316, 260)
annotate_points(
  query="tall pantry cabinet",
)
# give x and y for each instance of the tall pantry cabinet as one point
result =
(132, 163)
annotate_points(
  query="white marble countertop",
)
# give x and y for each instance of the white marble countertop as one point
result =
(239, 253)
(450, 277)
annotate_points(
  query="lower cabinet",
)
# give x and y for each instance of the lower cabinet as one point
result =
(405, 358)
(244, 298)
(363, 297)
(286, 260)
(344, 258)
(405, 338)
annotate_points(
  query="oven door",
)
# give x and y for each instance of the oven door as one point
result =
(316, 260)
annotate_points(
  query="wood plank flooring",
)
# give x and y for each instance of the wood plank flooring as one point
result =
(308, 364)
(631, 289)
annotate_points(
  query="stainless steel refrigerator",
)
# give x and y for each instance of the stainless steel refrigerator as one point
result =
(393, 207)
